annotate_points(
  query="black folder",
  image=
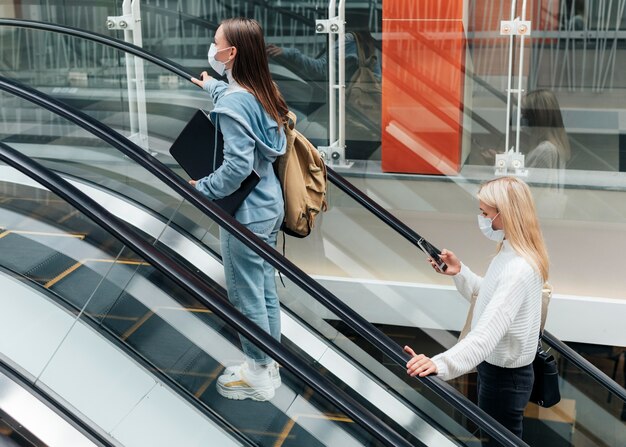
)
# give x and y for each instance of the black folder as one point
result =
(199, 154)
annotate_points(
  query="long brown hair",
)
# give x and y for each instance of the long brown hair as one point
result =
(250, 67)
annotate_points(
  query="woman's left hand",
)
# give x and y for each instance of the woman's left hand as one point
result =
(204, 76)
(419, 364)
(193, 182)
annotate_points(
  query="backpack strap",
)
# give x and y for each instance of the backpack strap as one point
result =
(291, 120)
(359, 50)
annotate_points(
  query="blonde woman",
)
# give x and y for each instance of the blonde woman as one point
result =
(503, 338)
(544, 125)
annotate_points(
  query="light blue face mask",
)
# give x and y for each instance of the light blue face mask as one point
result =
(486, 226)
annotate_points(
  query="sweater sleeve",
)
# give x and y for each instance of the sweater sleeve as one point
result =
(467, 282)
(494, 322)
(309, 67)
(215, 88)
(238, 161)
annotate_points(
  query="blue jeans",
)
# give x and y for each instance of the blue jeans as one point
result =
(251, 284)
(504, 393)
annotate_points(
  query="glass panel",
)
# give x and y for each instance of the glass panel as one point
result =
(298, 55)
(128, 273)
(360, 259)
(167, 329)
(98, 168)
(588, 414)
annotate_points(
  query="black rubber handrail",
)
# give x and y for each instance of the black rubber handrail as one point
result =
(137, 356)
(351, 318)
(380, 212)
(210, 297)
(52, 403)
(412, 236)
(100, 38)
(582, 363)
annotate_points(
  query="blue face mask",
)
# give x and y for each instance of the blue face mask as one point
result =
(486, 226)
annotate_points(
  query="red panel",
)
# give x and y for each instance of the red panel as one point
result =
(487, 14)
(422, 96)
(423, 9)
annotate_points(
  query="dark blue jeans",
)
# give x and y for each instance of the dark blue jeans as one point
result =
(504, 393)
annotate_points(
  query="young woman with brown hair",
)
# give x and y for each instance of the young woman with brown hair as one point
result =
(250, 112)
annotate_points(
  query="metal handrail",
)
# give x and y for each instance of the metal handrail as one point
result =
(138, 357)
(380, 212)
(209, 296)
(582, 363)
(355, 321)
(51, 402)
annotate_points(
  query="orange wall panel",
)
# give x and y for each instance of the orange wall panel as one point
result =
(422, 9)
(422, 95)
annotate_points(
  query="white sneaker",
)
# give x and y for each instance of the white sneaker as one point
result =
(246, 382)
(274, 373)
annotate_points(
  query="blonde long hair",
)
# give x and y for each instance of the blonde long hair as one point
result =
(512, 198)
(541, 109)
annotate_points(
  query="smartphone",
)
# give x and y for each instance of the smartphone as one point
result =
(432, 252)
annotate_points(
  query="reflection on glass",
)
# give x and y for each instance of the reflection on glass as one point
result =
(548, 150)
(363, 74)
(165, 327)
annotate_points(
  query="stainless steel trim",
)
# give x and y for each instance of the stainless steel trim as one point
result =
(293, 330)
(37, 418)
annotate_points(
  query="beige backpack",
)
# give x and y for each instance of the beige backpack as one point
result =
(364, 96)
(302, 175)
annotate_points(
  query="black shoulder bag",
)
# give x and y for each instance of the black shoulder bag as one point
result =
(545, 392)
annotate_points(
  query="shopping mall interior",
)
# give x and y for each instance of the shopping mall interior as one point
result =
(114, 261)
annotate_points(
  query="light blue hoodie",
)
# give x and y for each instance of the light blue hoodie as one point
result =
(252, 140)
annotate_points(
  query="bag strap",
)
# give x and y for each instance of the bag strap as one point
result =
(359, 50)
(291, 120)
(546, 296)
(215, 142)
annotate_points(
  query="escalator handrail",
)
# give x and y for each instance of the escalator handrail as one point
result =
(355, 321)
(135, 354)
(99, 38)
(352, 319)
(412, 236)
(582, 363)
(54, 405)
(212, 298)
(380, 212)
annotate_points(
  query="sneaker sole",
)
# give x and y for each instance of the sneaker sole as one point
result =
(276, 380)
(241, 394)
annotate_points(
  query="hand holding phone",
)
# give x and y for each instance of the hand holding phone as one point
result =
(432, 252)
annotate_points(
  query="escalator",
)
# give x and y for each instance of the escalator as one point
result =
(390, 404)
(30, 418)
(152, 313)
(296, 300)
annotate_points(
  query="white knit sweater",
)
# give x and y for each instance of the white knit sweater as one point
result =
(505, 323)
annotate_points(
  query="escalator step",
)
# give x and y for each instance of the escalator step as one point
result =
(79, 286)
(35, 260)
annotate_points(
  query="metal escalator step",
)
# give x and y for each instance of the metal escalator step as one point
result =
(33, 259)
(85, 284)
